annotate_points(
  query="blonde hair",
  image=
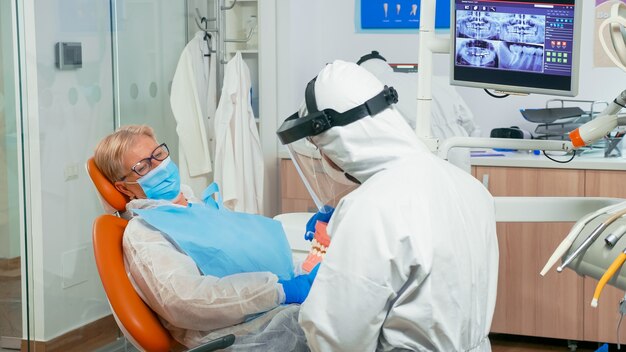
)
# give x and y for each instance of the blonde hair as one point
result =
(111, 149)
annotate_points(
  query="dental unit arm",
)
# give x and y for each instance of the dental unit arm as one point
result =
(599, 127)
(585, 135)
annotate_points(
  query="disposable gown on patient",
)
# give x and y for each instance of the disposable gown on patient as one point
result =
(198, 308)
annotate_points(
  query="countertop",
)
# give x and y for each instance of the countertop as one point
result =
(589, 160)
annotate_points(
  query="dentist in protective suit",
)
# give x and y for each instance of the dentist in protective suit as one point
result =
(413, 258)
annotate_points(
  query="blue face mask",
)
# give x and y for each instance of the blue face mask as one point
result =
(162, 182)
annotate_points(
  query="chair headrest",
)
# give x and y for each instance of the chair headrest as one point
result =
(108, 193)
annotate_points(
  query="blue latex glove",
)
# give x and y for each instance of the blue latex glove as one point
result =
(298, 288)
(603, 348)
(323, 215)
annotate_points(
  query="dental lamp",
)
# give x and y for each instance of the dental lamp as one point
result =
(617, 32)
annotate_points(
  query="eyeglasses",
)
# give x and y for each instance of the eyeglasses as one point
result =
(143, 166)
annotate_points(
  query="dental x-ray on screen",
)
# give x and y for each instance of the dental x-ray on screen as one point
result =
(519, 46)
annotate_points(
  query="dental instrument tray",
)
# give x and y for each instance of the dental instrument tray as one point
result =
(550, 115)
(560, 116)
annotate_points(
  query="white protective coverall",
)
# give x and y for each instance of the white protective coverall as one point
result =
(239, 169)
(193, 102)
(197, 308)
(451, 117)
(413, 258)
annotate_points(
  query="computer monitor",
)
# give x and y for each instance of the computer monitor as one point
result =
(520, 46)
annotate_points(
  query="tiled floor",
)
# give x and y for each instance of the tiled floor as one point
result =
(513, 343)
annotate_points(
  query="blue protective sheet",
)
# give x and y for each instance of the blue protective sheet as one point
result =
(224, 242)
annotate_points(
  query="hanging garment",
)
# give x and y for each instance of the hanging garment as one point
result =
(238, 156)
(193, 104)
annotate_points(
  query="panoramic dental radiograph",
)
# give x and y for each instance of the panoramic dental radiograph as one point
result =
(521, 57)
(518, 28)
(474, 52)
(477, 25)
(500, 40)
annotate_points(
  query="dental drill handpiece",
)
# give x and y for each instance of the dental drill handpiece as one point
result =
(614, 237)
(590, 239)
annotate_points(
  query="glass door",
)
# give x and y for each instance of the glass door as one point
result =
(11, 325)
(148, 38)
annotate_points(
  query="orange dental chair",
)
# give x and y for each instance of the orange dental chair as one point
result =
(136, 320)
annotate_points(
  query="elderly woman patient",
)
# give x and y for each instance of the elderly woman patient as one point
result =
(195, 308)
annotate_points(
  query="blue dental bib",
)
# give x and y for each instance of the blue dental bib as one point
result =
(223, 242)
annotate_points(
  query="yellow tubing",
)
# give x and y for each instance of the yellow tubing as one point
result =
(617, 263)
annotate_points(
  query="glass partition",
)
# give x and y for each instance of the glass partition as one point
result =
(130, 49)
(11, 331)
(148, 38)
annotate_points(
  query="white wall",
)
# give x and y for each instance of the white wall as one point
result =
(75, 110)
(312, 33)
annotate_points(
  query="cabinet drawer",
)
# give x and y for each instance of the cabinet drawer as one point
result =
(291, 185)
(604, 183)
(527, 303)
(532, 182)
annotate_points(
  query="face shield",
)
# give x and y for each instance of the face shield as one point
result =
(324, 180)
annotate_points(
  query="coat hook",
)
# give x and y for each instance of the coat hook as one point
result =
(223, 8)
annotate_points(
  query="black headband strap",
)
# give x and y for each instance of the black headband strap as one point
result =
(373, 55)
(309, 96)
(295, 128)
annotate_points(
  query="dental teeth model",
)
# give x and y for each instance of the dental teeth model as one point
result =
(413, 10)
(319, 245)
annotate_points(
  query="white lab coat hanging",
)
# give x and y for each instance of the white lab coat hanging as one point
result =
(193, 100)
(238, 155)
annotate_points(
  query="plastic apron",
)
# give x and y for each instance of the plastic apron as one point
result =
(222, 242)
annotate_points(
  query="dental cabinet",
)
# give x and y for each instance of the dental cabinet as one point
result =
(554, 306)
(528, 304)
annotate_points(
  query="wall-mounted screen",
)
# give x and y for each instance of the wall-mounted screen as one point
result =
(523, 46)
